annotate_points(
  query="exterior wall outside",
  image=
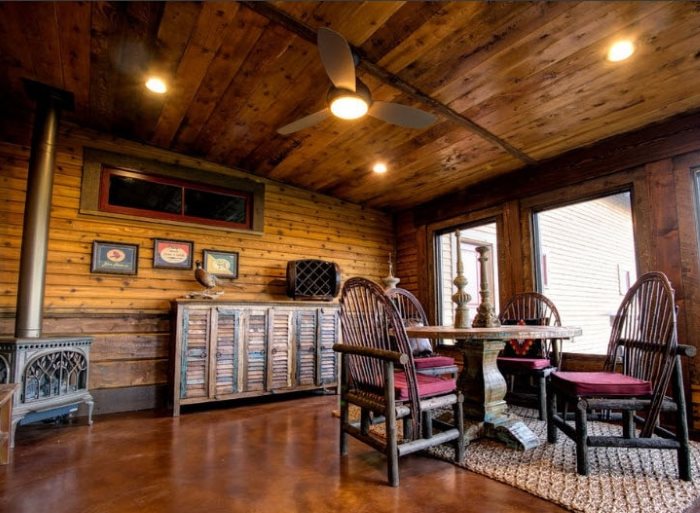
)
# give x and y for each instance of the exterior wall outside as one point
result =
(129, 314)
(588, 248)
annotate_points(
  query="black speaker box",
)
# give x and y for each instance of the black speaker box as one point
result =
(313, 279)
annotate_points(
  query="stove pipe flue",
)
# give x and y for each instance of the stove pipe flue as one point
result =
(37, 208)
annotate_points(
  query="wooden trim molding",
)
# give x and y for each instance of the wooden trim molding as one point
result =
(91, 187)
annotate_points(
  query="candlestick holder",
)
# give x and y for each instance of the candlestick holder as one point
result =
(390, 281)
(485, 314)
(461, 297)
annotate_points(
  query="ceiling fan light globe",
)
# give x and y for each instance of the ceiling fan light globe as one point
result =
(349, 107)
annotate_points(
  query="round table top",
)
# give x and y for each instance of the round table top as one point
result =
(498, 333)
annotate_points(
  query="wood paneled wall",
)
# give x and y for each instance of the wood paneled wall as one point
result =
(128, 314)
(655, 163)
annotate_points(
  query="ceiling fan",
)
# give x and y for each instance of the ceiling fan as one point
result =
(349, 98)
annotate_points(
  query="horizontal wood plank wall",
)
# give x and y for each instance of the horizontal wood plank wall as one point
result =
(659, 171)
(129, 314)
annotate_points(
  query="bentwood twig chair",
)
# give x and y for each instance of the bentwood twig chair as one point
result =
(530, 359)
(374, 346)
(412, 314)
(643, 345)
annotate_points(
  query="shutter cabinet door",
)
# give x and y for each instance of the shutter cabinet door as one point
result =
(194, 365)
(255, 350)
(306, 323)
(279, 358)
(227, 351)
(328, 328)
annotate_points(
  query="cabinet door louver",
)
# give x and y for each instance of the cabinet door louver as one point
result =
(195, 358)
(226, 362)
(280, 349)
(255, 350)
(328, 335)
(306, 322)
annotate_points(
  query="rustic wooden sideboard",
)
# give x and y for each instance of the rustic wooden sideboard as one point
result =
(228, 350)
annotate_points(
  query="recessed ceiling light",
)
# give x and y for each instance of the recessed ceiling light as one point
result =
(157, 85)
(379, 167)
(620, 51)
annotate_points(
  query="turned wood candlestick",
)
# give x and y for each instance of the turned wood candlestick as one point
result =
(390, 281)
(461, 298)
(485, 314)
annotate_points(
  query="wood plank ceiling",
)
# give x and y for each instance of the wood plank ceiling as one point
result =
(531, 76)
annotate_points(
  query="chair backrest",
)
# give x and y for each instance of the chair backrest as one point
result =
(407, 305)
(369, 319)
(643, 338)
(534, 308)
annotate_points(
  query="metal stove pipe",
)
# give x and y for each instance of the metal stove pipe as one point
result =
(37, 209)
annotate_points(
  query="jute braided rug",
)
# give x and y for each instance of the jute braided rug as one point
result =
(620, 480)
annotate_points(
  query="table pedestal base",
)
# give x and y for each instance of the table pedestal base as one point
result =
(484, 388)
(511, 431)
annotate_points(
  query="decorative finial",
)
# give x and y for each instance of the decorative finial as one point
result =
(461, 298)
(485, 316)
(391, 281)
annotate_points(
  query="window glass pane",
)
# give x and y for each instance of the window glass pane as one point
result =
(210, 205)
(470, 239)
(131, 192)
(586, 264)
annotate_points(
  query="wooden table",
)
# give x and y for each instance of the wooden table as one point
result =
(482, 384)
(6, 399)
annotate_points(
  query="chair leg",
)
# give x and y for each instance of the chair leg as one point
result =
(392, 450)
(427, 419)
(458, 412)
(542, 396)
(684, 471)
(344, 406)
(365, 421)
(581, 437)
(551, 399)
(628, 428)
(343, 422)
(407, 428)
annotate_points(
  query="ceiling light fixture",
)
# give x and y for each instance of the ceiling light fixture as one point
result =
(620, 51)
(157, 85)
(379, 167)
(349, 107)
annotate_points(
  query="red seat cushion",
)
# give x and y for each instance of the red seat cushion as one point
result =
(430, 362)
(600, 384)
(522, 364)
(427, 385)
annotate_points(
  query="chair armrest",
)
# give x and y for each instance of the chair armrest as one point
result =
(686, 350)
(381, 354)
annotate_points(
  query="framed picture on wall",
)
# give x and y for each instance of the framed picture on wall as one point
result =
(114, 257)
(172, 254)
(223, 264)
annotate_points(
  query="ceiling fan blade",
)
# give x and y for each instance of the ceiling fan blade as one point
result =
(304, 122)
(401, 115)
(336, 57)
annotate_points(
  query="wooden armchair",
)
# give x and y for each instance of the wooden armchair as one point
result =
(644, 346)
(374, 344)
(529, 358)
(412, 314)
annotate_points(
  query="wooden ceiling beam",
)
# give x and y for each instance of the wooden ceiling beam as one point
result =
(307, 33)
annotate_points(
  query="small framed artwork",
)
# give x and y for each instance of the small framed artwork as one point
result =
(172, 254)
(223, 264)
(114, 257)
